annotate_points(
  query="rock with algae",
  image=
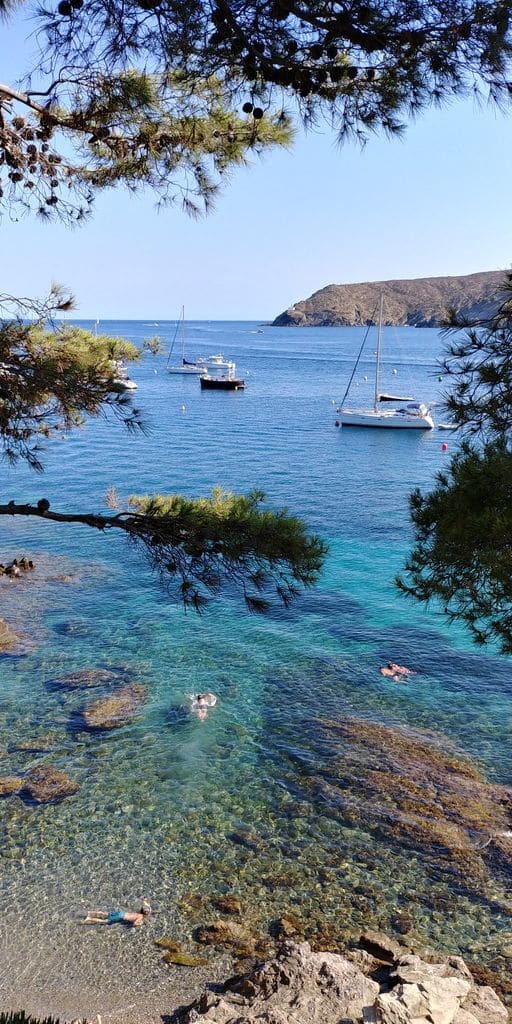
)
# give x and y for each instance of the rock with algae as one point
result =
(171, 945)
(184, 959)
(175, 954)
(87, 678)
(227, 904)
(9, 784)
(117, 709)
(419, 791)
(8, 638)
(229, 935)
(302, 987)
(45, 784)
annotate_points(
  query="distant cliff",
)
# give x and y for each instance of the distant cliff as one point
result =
(419, 303)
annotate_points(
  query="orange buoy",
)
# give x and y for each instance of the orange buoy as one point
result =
(444, 447)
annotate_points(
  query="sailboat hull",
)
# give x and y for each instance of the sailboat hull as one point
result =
(385, 418)
(188, 370)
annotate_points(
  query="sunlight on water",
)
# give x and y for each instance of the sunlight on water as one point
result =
(169, 806)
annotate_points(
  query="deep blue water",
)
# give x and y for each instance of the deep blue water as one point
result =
(164, 801)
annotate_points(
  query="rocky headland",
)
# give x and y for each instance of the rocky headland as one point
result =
(421, 302)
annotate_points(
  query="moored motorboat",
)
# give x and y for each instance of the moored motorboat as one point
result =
(209, 383)
(121, 380)
(222, 377)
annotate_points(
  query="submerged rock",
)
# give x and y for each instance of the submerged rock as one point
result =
(184, 959)
(171, 945)
(9, 784)
(8, 638)
(73, 627)
(287, 927)
(87, 678)
(420, 792)
(117, 709)
(227, 904)
(229, 934)
(42, 744)
(175, 955)
(45, 783)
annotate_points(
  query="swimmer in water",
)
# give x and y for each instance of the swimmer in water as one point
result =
(201, 703)
(396, 672)
(132, 918)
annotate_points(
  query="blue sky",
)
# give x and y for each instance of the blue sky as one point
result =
(434, 203)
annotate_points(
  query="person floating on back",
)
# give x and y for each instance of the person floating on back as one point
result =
(132, 918)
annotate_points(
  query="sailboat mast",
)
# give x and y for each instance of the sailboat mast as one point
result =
(377, 361)
(183, 335)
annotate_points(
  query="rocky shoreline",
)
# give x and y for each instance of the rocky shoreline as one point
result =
(375, 980)
(377, 983)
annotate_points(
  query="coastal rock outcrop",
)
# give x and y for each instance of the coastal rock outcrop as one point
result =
(117, 709)
(421, 302)
(302, 987)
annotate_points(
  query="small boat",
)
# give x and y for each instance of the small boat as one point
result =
(122, 381)
(447, 426)
(186, 366)
(222, 378)
(410, 414)
(192, 367)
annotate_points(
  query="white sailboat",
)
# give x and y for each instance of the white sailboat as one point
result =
(199, 366)
(186, 366)
(409, 415)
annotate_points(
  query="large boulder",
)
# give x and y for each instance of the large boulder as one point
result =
(483, 1003)
(117, 709)
(302, 987)
(297, 987)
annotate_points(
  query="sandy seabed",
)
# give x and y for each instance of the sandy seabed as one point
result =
(37, 986)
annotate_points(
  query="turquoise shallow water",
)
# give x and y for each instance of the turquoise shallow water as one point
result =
(169, 806)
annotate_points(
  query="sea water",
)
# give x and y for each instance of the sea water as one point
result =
(177, 809)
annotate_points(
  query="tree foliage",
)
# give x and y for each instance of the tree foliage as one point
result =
(52, 378)
(199, 546)
(463, 528)
(96, 129)
(463, 550)
(478, 368)
(174, 93)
